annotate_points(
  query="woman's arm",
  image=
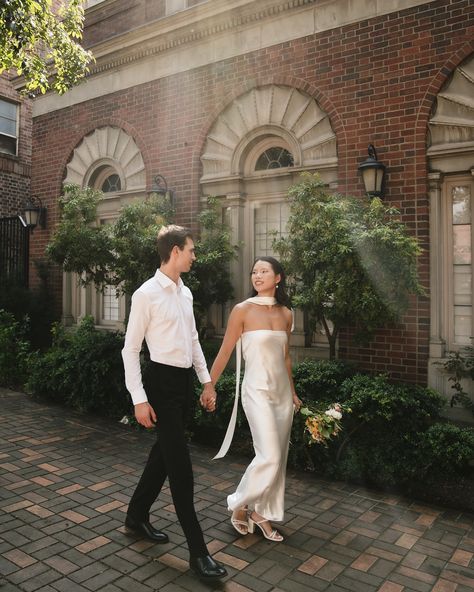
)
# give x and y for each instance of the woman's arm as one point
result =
(233, 331)
(296, 400)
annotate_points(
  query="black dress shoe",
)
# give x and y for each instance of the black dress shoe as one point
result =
(206, 568)
(146, 529)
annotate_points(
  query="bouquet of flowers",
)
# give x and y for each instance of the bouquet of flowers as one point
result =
(322, 426)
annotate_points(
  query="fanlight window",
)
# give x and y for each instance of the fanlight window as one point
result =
(274, 158)
(106, 179)
(111, 183)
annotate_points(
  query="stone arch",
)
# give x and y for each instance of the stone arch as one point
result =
(277, 109)
(451, 126)
(112, 145)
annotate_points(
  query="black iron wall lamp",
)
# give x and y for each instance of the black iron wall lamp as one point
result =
(35, 213)
(160, 186)
(373, 174)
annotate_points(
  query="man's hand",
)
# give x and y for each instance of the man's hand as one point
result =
(145, 415)
(208, 397)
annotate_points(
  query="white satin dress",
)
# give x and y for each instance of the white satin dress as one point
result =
(268, 405)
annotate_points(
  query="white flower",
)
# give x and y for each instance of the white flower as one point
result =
(333, 413)
(125, 420)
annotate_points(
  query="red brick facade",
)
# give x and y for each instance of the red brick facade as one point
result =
(377, 80)
(15, 171)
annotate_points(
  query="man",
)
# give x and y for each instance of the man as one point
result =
(162, 314)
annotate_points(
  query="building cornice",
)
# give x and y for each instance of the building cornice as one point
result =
(208, 33)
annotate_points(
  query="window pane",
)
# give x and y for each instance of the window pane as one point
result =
(461, 205)
(7, 144)
(110, 304)
(462, 259)
(269, 224)
(8, 110)
(274, 158)
(462, 325)
(8, 126)
(111, 183)
(462, 244)
(462, 284)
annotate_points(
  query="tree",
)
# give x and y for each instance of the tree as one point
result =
(124, 254)
(42, 43)
(209, 278)
(351, 262)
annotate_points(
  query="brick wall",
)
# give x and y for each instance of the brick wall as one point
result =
(376, 79)
(15, 171)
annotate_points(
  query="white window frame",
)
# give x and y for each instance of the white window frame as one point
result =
(448, 259)
(17, 127)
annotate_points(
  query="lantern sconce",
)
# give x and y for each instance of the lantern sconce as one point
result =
(160, 186)
(373, 174)
(35, 213)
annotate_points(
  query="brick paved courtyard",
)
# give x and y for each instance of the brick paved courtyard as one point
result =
(65, 480)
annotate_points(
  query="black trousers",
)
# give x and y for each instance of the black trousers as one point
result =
(170, 392)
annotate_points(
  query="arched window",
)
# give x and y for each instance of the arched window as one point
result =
(276, 157)
(106, 179)
(111, 183)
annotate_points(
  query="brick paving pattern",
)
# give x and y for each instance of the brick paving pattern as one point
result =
(65, 481)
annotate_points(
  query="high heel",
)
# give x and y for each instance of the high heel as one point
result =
(241, 526)
(274, 535)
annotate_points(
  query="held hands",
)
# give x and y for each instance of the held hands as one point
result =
(208, 397)
(145, 415)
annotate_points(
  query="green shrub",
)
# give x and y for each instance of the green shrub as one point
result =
(445, 451)
(381, 439)
(14, 350)
(82, 369)
(38, 304)
(320, 380)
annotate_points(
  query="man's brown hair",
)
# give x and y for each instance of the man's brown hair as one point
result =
(169, 237)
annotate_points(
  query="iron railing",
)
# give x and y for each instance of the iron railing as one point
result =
(14, 252)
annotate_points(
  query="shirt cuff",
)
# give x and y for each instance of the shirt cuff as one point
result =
(139, 397)
(203, 376)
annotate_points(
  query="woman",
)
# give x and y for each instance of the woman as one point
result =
(262, 326)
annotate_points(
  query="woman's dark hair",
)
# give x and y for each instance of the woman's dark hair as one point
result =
(280, 292)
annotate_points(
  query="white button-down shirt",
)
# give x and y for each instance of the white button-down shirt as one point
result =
(162, 314)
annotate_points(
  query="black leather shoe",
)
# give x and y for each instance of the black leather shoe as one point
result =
(145, 529)
(207, 568)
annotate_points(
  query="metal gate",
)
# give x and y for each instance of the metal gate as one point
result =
(14, 252)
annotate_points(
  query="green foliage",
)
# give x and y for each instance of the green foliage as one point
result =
(460, 365)
(320, 380)
(133, 240)
(445, 451)
(381, 438)
(209, 279)
(37, 304)
(14, 349)
(83, 369)
(78, 244)
(375, 400)
(350, 261)
(124, 253)
(43, 44)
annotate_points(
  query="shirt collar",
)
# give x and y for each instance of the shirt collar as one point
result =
(166, 282)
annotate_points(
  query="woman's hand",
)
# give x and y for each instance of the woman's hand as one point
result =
(297, 402)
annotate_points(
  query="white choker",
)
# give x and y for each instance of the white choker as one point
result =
(264, 300)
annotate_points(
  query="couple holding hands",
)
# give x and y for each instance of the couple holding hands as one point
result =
(259, 328)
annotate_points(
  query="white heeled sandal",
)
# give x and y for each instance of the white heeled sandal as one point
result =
(241, 526)
(274, 535)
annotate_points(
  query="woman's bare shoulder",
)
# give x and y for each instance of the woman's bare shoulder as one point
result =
(240, 309)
